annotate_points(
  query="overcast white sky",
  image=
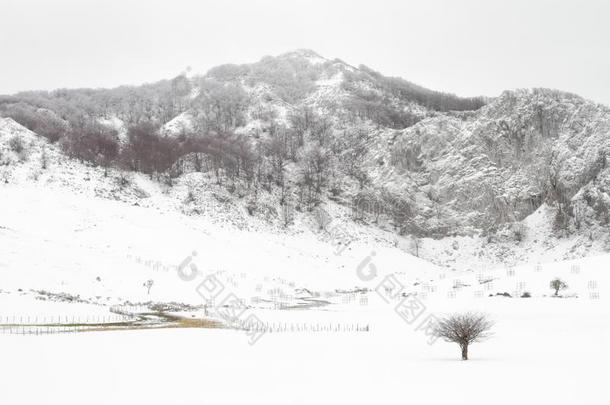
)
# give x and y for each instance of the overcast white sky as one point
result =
(469, 47)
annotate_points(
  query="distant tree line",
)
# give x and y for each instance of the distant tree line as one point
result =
(306, 157)
(385, 99)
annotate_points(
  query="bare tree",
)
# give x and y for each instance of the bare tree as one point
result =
(123, 179)
(148, 284)
(322, 218)
(464, 329)
(558, 284)
(287, 214)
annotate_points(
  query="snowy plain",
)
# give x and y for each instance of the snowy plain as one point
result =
(544, 349)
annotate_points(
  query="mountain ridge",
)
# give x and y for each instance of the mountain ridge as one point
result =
(290, 135)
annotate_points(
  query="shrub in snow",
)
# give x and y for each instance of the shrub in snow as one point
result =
(519, 230)
(463, 329)
(190, 197)
(123, 179)
(16, 144)
(251, 207)
(558, 284)
(44, 160)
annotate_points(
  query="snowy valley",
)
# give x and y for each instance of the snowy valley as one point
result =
(300, 216)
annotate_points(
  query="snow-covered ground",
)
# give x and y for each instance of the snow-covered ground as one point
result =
(543, 351)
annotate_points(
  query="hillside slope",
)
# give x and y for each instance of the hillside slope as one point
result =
(71, 228)
(299, 143)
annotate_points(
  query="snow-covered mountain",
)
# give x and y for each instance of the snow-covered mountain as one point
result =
(303, 144)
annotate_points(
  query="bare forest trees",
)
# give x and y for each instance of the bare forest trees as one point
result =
(146, 151)
(464, 329)
(220, 106)
(92, 142)
(315, 170)
(276, 149)
(322, 218)
(302, 121)
(353, 151)
(408, 91)
(42, 121)
(287, 214)
(312, 136)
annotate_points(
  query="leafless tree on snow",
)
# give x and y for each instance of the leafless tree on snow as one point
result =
(464, 329)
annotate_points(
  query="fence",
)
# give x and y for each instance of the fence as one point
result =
(143, 316)
(44, 325)
(283, 327)
(41, 325)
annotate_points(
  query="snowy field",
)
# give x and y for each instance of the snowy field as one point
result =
(543, 351)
